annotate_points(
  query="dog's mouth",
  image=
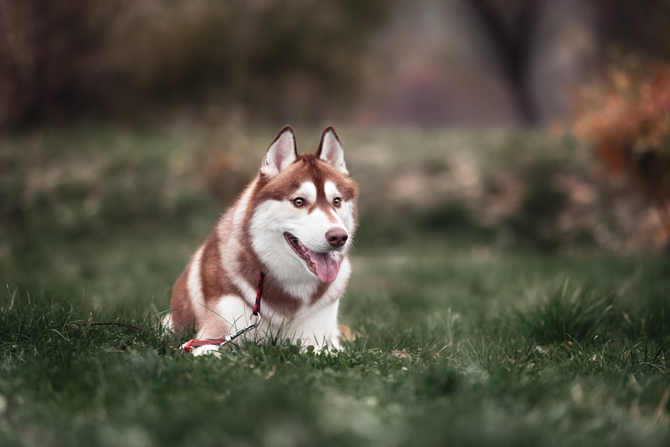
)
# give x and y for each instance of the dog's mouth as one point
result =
(322, 265)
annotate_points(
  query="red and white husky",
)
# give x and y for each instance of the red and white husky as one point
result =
(295, 222)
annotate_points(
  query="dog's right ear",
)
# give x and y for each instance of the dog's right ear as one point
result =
(282, 152)
(330, 150)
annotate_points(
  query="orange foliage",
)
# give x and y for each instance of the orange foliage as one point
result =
(628, 123)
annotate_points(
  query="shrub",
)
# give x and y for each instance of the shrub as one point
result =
(628, 124)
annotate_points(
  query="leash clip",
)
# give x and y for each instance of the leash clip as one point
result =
(186, 347)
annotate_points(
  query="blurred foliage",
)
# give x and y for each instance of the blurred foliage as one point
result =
(57, 188)
(535, 222)
(521, 191)
(120, 194)
(628, 122)
(452, 215)
(52, 58)
(279, 59)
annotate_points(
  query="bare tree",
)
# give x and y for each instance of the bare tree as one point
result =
(510, 25)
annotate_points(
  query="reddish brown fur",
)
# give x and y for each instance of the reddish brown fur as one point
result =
(306, 168)
(212, 276)
(182, 313)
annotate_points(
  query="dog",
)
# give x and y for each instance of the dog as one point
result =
(295, 223)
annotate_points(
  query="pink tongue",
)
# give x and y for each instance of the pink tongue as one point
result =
(326, 265)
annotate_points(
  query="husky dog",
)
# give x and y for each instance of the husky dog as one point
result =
(295, 222)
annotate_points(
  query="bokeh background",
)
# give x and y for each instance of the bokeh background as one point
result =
(431, 63)
(524, 119)
(510, 281)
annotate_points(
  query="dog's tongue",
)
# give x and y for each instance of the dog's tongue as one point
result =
(326, 265)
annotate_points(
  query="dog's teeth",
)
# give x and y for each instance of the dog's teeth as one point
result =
(299, 248)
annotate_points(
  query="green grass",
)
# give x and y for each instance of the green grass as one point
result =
(462, 341)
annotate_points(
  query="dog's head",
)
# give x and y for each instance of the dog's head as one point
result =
(304, 211)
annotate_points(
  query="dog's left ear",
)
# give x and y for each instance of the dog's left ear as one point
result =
(282, 152)
(330, 150)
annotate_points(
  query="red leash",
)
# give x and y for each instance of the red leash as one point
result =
(256, 312)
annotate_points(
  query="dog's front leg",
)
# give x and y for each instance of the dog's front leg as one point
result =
(224, 317)
(318, 328)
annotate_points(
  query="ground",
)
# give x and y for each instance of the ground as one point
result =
(463, 335)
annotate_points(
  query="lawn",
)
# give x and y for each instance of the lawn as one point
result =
(463, 337)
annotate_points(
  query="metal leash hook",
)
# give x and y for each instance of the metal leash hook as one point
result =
(232, 337)
(195, 343)
(257, 322)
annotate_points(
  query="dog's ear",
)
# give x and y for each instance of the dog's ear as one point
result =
(330, 150)
(282, 152)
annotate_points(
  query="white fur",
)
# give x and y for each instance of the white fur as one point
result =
(346, 214)
(331, 151)
(280, 154)
(231, 244)
(271, 220)
(318, 327)
(307, 191)
(331, 190)
(234, 311)
(195, 287)
(207, 349)
(268, 224)
(346, 211)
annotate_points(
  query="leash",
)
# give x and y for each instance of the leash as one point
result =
(255, 314)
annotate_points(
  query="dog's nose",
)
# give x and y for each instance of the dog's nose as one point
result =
(337, 237)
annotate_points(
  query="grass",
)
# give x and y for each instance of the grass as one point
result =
(462, 341)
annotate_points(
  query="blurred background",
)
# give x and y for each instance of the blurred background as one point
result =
(430, 62)
(515, 124)
(511, 278)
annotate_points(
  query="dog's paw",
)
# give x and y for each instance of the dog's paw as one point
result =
(207, 350)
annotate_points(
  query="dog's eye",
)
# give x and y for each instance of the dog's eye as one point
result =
(337, 202)
(299, 202)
